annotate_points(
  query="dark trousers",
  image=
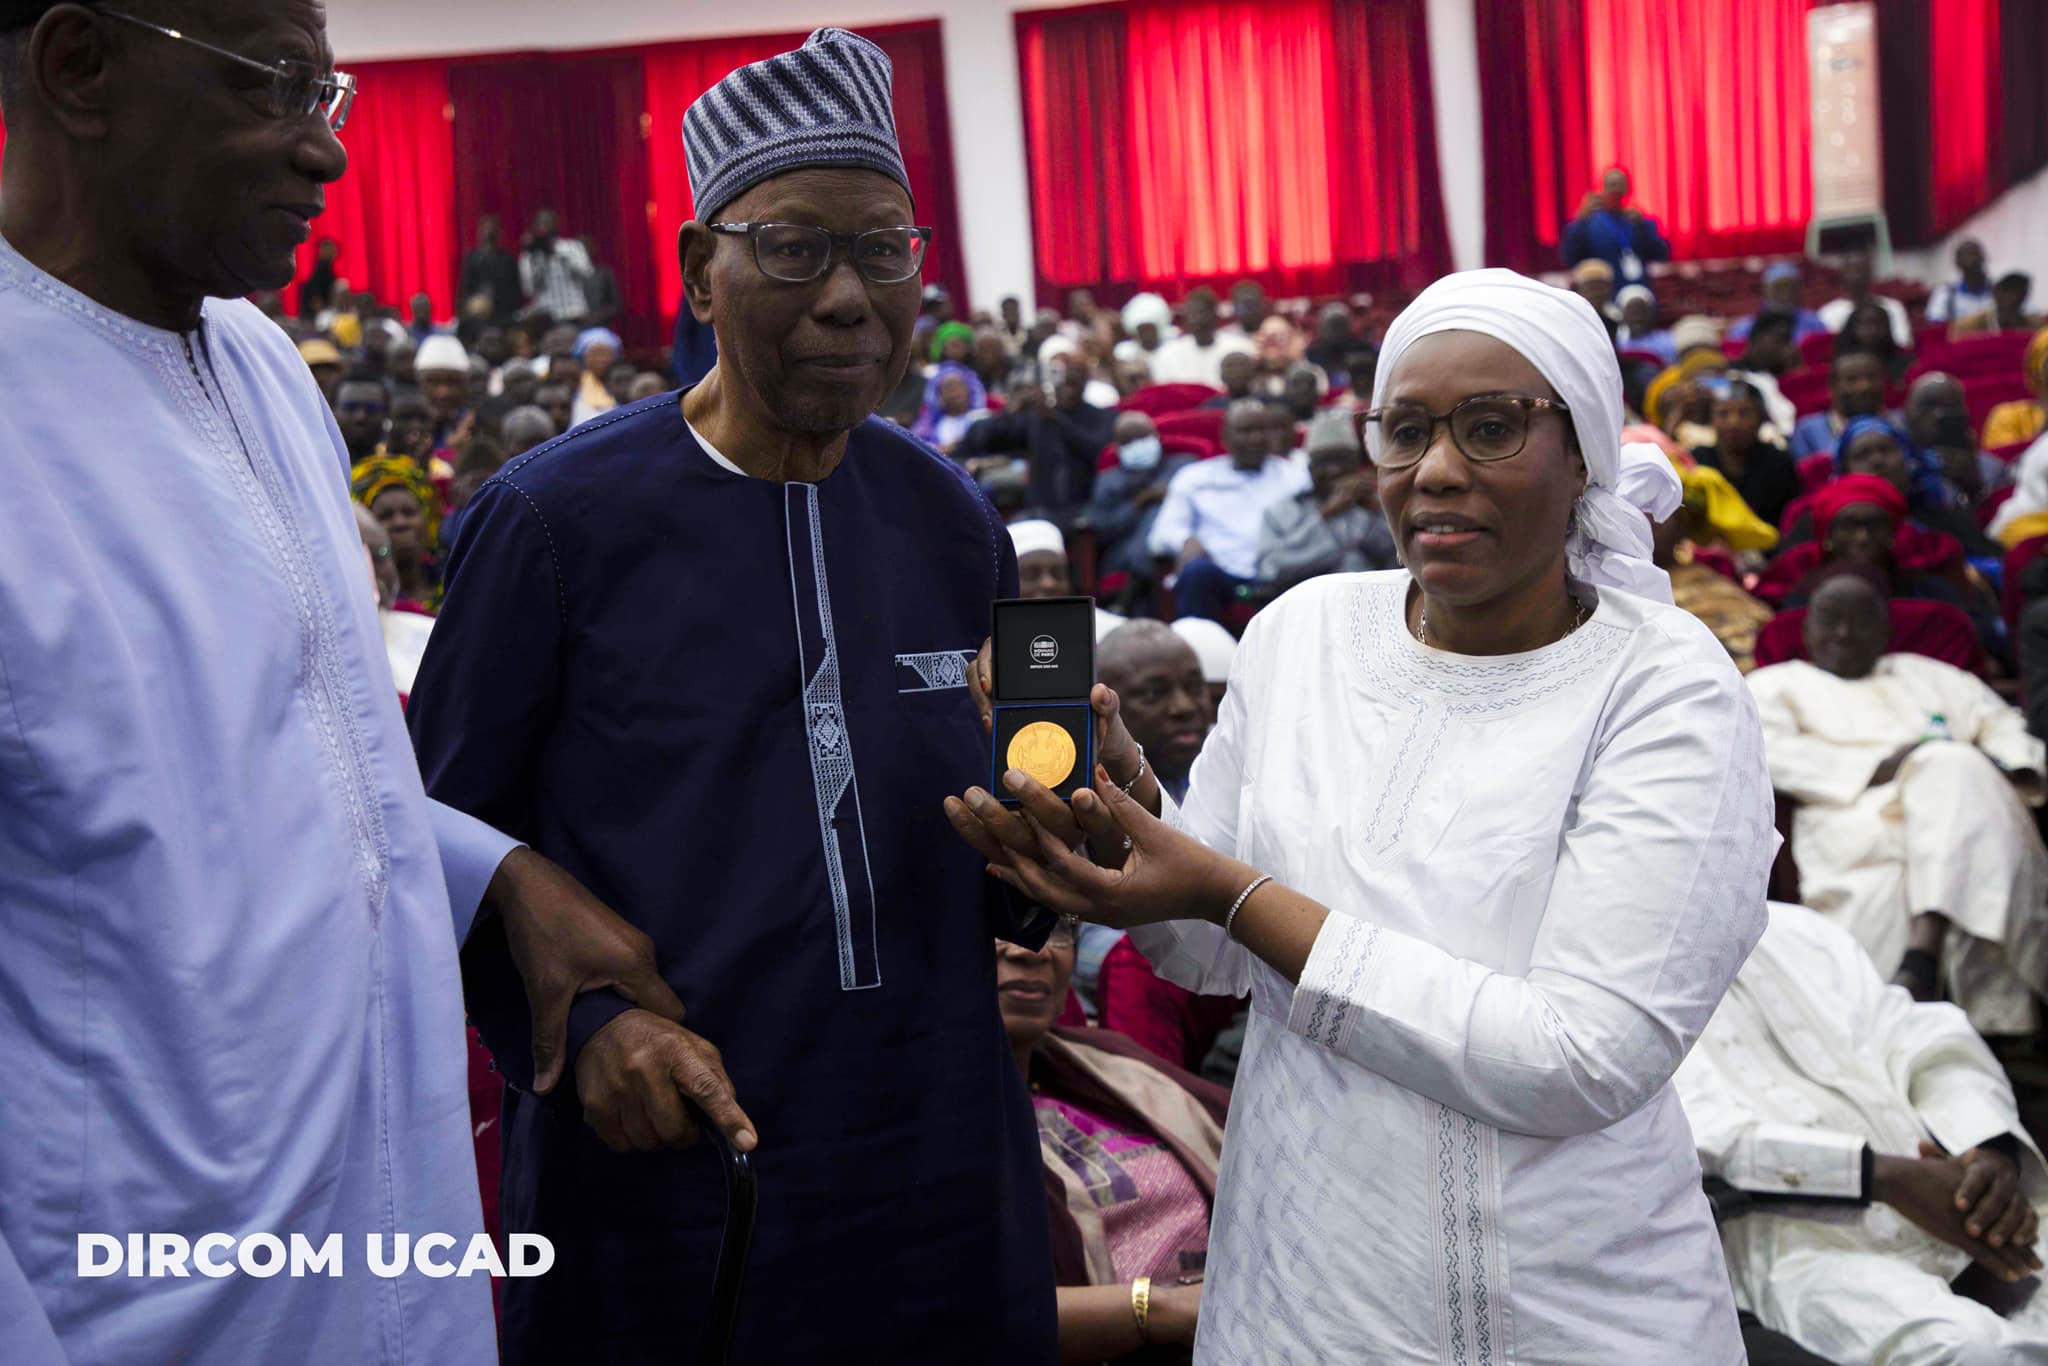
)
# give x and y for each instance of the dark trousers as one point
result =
(1204, 589)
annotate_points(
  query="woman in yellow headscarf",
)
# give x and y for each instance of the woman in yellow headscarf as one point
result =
(398, 495)
(2022, 419)
(1672, 393)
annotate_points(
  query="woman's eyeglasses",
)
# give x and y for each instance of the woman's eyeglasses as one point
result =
(1485, 427)
(798, 253)
(296, 90)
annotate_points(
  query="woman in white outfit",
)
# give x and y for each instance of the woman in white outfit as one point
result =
(1486, 840)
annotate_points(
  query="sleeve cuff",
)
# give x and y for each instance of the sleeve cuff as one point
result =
(1811, 1164)
(1335, 982)
(470, 854)
(590, 1012)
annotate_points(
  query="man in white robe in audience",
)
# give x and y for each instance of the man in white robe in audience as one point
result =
(1879, 1141)
(1913, 780)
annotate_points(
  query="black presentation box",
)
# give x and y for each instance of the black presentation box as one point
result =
(1044, 669)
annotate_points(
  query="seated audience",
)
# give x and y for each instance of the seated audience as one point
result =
(2025, 515)
(558, 401)
(405, 632)
(1708, 594)
(526, 428)
(1860, 518)
(1856, 383)
(1215, 647)
(1760, 470)
(1783, 288)
(1248, 307)
(971, 396)
(1334, 525)
(1163, 694)
(1278, 347)
(1881, 1148)
(398, 495)
(1301, 392)
(991, 362)
(646, 384)
(1868, 329)
(1911, 828)
(1593, 281)
(443, 370)
(956, 413)
(401, 363)
(1768, 354)
(1361, 364)
(1128, 496)
(1938, 419)
(1857, 274)
(325, 361)
(1209, 525)
(1334, 344)
(1639, 329)
(2022, 419)
(1060, 443)
(1680, 401)
(362, 410)
(598, 350)
(1196, 355)
(1610, 230)
(1130, 1146)
(1043, 570)
(1969, 293)
(2008, 311)
(1239, 371)
(1878, 445)
(2033, 644)
(1148, 325)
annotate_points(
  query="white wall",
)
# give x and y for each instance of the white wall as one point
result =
(979, 38)
(1460, 146)
(2014, 231)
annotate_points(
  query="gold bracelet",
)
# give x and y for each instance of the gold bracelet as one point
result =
(1141, 1306)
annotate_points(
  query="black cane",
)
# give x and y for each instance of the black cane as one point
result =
(741, 1197)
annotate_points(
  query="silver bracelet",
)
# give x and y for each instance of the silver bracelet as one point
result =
(1137, 777)
(1238, 905)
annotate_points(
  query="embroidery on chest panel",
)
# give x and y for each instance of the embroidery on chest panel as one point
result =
(840, 827)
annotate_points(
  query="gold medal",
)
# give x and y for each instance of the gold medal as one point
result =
(1043, 750)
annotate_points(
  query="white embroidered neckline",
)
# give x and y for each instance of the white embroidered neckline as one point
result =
(1394, 664)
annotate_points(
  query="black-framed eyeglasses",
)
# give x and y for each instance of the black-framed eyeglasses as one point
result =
(1485, 427)
(296, 90)
(798, 253)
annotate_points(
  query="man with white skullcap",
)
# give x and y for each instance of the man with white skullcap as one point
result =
(710, 650)
(1043, 570)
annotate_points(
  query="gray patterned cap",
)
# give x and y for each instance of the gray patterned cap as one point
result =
(825, 104)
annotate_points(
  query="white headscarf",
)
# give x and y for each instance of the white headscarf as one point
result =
(1627, 487)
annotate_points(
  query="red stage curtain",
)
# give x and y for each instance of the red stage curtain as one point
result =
(560, 131)
(1704, 101)
(1966, 109)
(1173, 142)
(675, 74)
(391, 211)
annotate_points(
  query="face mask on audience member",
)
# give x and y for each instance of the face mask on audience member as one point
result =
(1141, 454)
